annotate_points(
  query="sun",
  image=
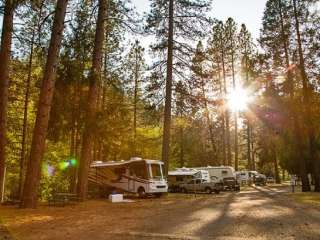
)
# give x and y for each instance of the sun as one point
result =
(238, 100)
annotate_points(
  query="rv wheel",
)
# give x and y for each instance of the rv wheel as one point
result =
(141, 192)
(208, 190)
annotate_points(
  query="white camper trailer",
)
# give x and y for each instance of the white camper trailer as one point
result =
(249, 177)
(137, 175)
(175, 178)
(225, 174)
(183, 175)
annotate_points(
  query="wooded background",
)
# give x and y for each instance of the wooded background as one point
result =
(75, 86)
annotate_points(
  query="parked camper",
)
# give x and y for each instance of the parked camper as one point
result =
(137, 175)
(175, 178)
(244, 177)
(249, 177)
(225, 174)
(184, 175)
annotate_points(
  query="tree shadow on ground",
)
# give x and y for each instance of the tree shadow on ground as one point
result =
(245, 214)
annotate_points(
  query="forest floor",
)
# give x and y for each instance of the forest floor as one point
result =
(255, 213)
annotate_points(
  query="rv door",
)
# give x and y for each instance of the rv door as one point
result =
(131, 181)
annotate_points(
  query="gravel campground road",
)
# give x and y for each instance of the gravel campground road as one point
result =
(257, 213)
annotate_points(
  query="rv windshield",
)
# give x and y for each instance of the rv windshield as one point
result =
(156, 171)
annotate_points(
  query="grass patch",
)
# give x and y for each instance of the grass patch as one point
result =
(306, 197)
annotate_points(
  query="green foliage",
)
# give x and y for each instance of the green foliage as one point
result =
(206, 66)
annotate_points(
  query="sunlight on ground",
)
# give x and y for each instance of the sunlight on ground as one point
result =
(197, 220)
(32, 219)
(306, 197)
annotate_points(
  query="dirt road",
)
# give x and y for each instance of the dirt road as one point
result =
(258, 213)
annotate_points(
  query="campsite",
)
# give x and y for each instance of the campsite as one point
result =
(159, 119)
(252, 213)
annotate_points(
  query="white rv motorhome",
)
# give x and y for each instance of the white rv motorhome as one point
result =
(225, 174)
(137, 175)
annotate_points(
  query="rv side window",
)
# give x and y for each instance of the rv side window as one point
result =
(139, 170)
(119, 172)
(224, 172)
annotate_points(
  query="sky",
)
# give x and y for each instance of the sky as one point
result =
(249, 12)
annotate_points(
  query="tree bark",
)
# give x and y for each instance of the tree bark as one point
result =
(275, 162)
(248, 120)
(249, 145)
(226, 112)
(181, 157)
(136, 75)
(223, 137)
(252, 150)
(88, 134)
(167, 107)
(25, 118)
(236, 158)
(31, 185)
(5, 55)
(73, 137)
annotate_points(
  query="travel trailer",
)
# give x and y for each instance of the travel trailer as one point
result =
(137, 175)
(225, 174)
(183, 175)
(249, 177)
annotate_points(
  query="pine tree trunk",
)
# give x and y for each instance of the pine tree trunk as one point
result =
(73, 134)
(207, 115)
(135, 104)
(236, 160)
(249, 146)
(248, 120)
(275, 162)
(228, 137)
(181, 157)
(223, 137)
(88, 134)
(5, 55)
(306, 103)
(224, 153)
(31, 185)
(167, 107)
(226, 112)
(252, 149)
(25, 118)
(236, 148)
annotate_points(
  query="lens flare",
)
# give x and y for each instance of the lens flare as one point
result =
(73, 162)
(67, 164)
(238, 100)
(64, 165)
